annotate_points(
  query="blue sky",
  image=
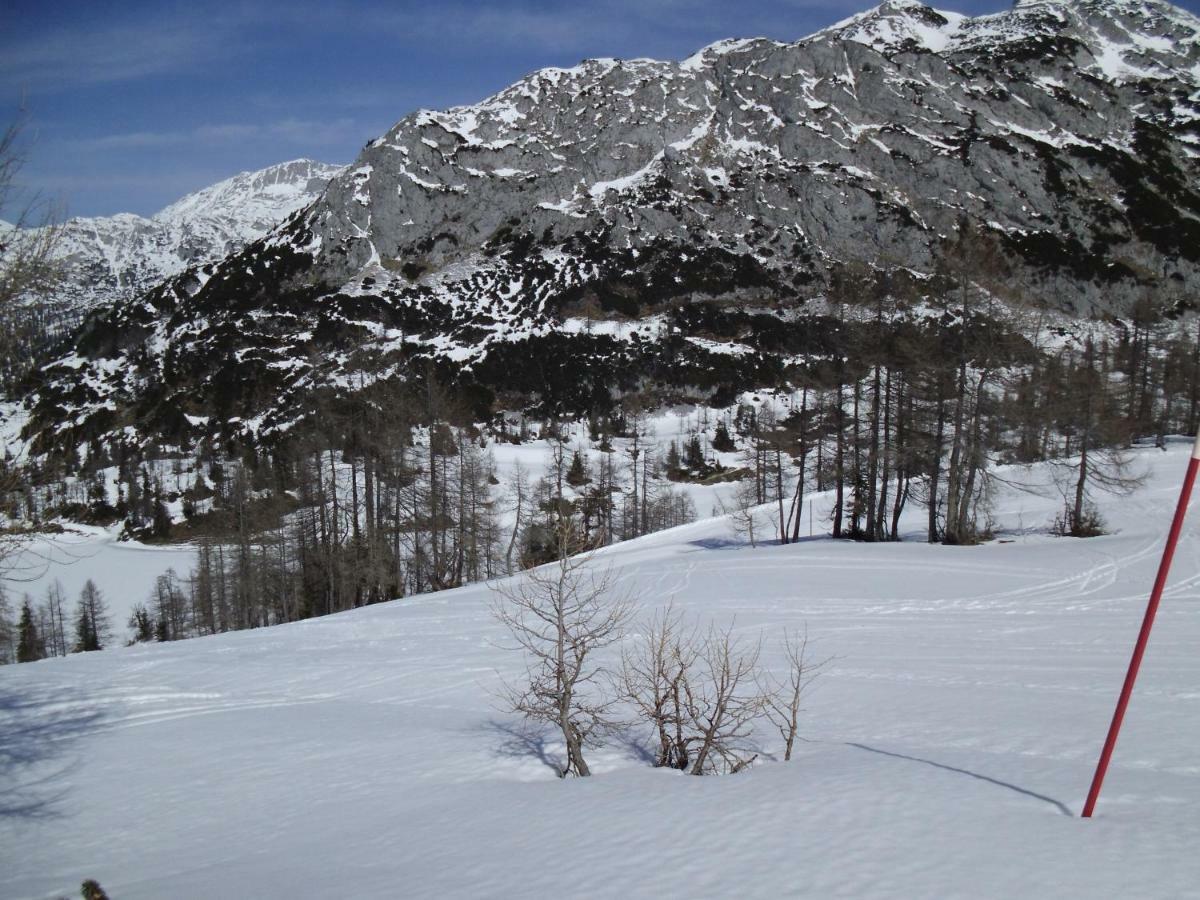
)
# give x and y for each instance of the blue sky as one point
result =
(132, 104)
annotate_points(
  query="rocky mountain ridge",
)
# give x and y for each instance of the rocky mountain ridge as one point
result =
(110, 258)
(588, 231)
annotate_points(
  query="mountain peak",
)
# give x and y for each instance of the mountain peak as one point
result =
(117, 256)
(1128, 40)
(540, 222)
(263, 197)
(897, 25)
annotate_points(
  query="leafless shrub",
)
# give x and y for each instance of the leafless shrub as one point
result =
(723, 703)
(654, 673)
(783, 696)
(703, 693)
(560, 614)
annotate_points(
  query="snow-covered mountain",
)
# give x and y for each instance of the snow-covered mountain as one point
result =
(122, 256)
(624, 223)
(863, 140)
(946, 752)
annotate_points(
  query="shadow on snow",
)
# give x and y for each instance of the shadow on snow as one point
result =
(39, 730)
(996, 781)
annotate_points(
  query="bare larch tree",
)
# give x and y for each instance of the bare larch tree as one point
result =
(560, 615)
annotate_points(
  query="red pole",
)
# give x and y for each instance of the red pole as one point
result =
(1144, 635)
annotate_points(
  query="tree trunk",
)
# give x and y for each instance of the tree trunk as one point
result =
(935, 463)
(839, 462)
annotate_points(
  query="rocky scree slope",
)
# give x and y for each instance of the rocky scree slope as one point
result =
(621, 223)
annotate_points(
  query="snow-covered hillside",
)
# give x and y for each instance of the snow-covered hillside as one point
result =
(951, 741)
(121, 256)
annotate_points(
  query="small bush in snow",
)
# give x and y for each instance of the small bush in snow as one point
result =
(703, 693)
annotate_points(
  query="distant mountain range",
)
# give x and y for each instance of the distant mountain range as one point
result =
(120, 257)
(591, 230)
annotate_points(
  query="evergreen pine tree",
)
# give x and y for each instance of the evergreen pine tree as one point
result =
(146, 510)
(85, 637)
(162, 518)
(8, 631)
(577, 474)
(93, 630)
(722, 441)
(29, 643)
(674, 466)
(141, 624)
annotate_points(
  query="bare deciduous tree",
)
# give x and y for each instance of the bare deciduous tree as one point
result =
(27, 273)
(518, 493)
(654, 673)
(742, 511)
(783, 697)
(701, 693)
(560, 615)
(723, 703)
(28, 265)
(1096, 433)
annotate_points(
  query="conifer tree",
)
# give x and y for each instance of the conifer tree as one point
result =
(674, 464)
(162, 517)
(85, 636)
(141, 624)
(92, 628)
(722, 441)
(29, 643)
(8, 631)
(577, 475)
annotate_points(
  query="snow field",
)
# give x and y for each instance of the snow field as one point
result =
(949, 745)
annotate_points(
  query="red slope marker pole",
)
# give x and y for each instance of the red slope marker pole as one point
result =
(1139, 648)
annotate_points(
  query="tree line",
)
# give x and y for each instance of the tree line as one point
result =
(43, 630)
(921, 410)
(915, 388)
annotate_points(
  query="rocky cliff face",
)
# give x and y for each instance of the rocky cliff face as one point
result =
(120, 257)
(1050, 123)
(550, 241)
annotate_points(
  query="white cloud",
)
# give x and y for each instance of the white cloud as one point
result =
(317, 133)
(155, 44)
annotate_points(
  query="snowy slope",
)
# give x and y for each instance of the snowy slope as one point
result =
(951, 743)
(120, 256)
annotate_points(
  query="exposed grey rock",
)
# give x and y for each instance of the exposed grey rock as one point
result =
(866, 140)
(566, 215)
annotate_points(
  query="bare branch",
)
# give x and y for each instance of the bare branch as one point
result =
(783, 697)
(560, 614)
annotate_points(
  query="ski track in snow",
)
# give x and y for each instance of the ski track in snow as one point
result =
(947, 748)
